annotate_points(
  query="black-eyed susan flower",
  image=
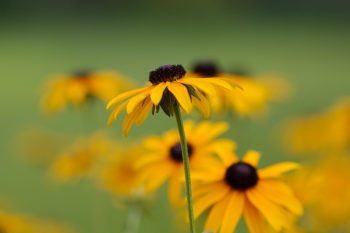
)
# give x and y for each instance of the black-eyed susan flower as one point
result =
(77, 88)
(163, 159)
(231, 188)
(327, 199)
(80, 159)
(320, 132)
(120, 175)
(170, 84)
(253, 96)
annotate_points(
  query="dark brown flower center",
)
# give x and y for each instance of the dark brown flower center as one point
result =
(166, 73)
(206, 69)
(83, 73)
(176, 153)
(241, 176)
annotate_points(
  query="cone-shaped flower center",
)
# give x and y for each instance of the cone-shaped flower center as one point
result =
(206, 69)
(176, 153)
(241, 176)
(166, 73)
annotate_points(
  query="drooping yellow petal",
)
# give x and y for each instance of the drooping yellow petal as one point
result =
(207, 130)
(116, 112)
(252, 157)
(125, 95)
(282, 195)
(181, 94)
(199, 190)
(215, 216)
(253, 218)
(130, 119)
(233, 212)
(206, 87)
(134, 101)
(219, 82)
(276, 170)
(146, 108)
(204, 202)
(202, 104)
(157, 93)
(273, 213)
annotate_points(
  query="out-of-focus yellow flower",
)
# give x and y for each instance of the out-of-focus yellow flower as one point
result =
(120, 175)
(231, 188)
(15, 223)
(170, 85)
(77, 88)
(82, 158)
(163, 160)
(39, 146)
(253, 97)
(326, 131)
(324, 189)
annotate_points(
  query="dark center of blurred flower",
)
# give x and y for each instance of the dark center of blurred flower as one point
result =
(241, 176)
(83, 73)
(176, 153)
(206, 68)
(166, 73)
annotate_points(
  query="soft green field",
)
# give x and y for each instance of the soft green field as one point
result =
(313, 54)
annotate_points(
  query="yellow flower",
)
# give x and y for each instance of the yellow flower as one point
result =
(253, 97)
(77, 88)
(81, 159)
(169, 84)
(231, 188)
(323, 188)
(322, 132)
(163, 160)
(120, 175)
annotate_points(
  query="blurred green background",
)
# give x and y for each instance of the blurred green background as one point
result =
(306, 42)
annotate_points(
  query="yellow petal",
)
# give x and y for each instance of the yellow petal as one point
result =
(207, 130)
(273, 213)
(198, 83)
(125, 95)
(116, 112)
(146, 108)
(157, 93)
(252, 157)
(158, 176)
(219, 82)
(233, 213)
(276, 170)
(204, 202)
(228, 158)
(199, 190)
(202, 104)
(181, 94)
(253, 218)
(134, 101)
(214, 219)
(282, 195)
(175, 190)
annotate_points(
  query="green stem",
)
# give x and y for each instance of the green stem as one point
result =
(186, 162)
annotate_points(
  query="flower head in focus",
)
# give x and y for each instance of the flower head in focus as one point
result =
(163, 159)
(231, 188)
(253, 96)
(169, 85)
(77, 88)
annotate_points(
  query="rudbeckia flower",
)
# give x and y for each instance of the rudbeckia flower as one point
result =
(81, 159)
(231, 188)
(163, 159)
(120, 175)
(253, 96)
(170, 84)
(327, 199)
(79, 87)
(320, 132)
